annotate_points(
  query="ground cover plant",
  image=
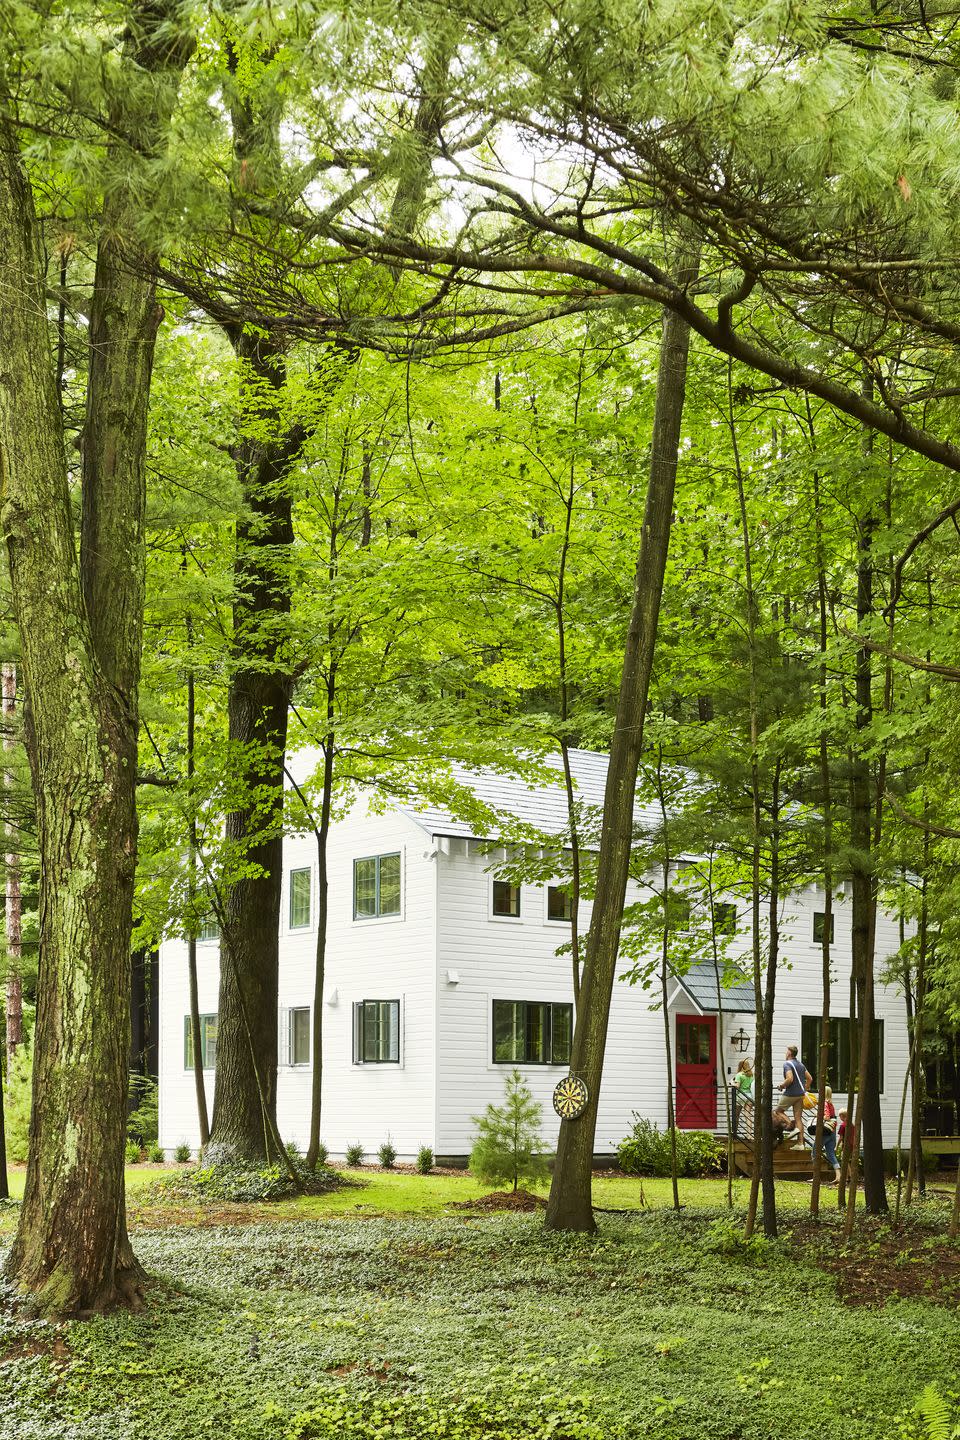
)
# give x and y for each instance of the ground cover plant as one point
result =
(313, 1321)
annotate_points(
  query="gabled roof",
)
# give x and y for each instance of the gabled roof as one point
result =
(700, 983)
(541, 805)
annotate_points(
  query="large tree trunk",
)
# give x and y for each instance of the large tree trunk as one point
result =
(570, 1206)
(14, 910)
(80, 623)
(245, 1099)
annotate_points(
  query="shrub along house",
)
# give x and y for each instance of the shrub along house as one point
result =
(443, 974)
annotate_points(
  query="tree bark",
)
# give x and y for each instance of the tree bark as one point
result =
(80, 621)
(14, 909)
(199, 1084)
(570, 1206)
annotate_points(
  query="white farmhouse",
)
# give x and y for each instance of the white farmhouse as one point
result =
(442, 976)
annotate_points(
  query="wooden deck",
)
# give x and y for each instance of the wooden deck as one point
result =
(789, 1162)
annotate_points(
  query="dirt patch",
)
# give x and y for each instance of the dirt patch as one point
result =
(886, 1265)
(502, 1200)
(56, 1350)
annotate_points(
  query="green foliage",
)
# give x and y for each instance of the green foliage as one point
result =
(354, 1154)
(387, 1154)
(143, 1121)
(507, 1147)
(132, 1152)
(323, 1154)
(647, 1151)
(424, 1160)
(245, 1184)
(182, 1153)
(156, 1154)
(935, 1416)
(17, 1103)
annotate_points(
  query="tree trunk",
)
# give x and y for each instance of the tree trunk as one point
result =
(826, 800)
(14, 909)
(322, 833)
(199, 1084)
(570, 1205)
(80, 623)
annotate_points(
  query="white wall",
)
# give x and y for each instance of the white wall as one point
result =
(382, 959)
(504, 959)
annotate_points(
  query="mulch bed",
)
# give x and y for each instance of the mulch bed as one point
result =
(502, 1200)
(886, 1264)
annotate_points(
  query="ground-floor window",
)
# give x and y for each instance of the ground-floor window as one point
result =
(298, 1035)
(531, 1032)
(841, 1040)
(376, 1032)
(208, 1042)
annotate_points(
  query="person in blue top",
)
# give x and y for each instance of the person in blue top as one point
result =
(796, 1081)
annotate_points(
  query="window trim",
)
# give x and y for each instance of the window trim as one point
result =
(299, 870)
(534, 1064)
(293, 1063)
(358, 1026)
(188, 1041)
(822, 915)
(730, 905)
(202, 939)
(547, 917)
(505, 919)
(377, 916)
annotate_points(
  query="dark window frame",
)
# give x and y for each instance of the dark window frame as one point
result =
(727, 923)
(838, 1059)
(208, 1062)
(505, 914)
(300, 870)
(562, 891)
(819, 918)
(550, 1006)
(359, 1032)
(379, 913)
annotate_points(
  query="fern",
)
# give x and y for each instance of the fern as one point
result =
(935, 1414)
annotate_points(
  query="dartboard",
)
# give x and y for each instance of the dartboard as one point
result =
(570, 1097)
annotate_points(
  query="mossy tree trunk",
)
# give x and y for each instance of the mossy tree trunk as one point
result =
(80, 620)
(570, 1206)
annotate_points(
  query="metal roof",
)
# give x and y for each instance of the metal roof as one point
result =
(700, 983)
(539, 805)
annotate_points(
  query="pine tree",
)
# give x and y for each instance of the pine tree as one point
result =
(508, 1140)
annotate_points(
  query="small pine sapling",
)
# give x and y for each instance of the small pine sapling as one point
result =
(387, 1154)
(507, 1144)
(354, 1154)
(424, 1160)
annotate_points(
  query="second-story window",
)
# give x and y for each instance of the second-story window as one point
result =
(376, 886)
(505, 902)
(209, 928)
(299, 899)
(559, 903)
(820, 924)
(725, 918)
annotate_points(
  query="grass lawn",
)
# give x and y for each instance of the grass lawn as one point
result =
(376, 1313)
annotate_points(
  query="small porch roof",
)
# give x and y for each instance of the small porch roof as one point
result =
(699, 984)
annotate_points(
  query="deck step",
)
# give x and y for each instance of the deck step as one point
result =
(789, 1163)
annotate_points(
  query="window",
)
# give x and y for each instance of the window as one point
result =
(678, 910)
(299, 1036)
(376, 1032)
(559, 903)
(531, 1032)
(376, 886)
(725, 918)
(819, 919)
(209, 928)
(694, 1041)
(506, 899)
(299, 899)
(208, 1042)
(838, 1059)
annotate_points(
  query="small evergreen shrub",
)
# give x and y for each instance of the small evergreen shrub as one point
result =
(507, 1144)
(354, 1154)
(156, 1154)
(293, 1150)
(646, 1151)
(143, 1122)
(182, 1153)
(387, 1154)
(323, 1155)
(132, 1152)
(424, 1160)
